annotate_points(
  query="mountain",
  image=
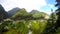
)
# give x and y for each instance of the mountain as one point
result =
(37, 14)
(21, 14)
(34, 11)
(3, 13)
(13, 11)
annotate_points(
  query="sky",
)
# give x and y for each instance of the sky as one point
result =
(29, 5)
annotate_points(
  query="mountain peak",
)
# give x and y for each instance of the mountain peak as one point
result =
(13, 11)
(34, 11)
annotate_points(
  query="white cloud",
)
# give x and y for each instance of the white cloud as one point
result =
(27, 4)
(51, 5)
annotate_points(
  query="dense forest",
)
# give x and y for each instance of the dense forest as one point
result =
(19, 21)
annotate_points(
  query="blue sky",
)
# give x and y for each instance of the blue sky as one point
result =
(50, 5)
(40, 5)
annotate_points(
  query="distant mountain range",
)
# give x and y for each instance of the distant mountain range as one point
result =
(14, 11)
